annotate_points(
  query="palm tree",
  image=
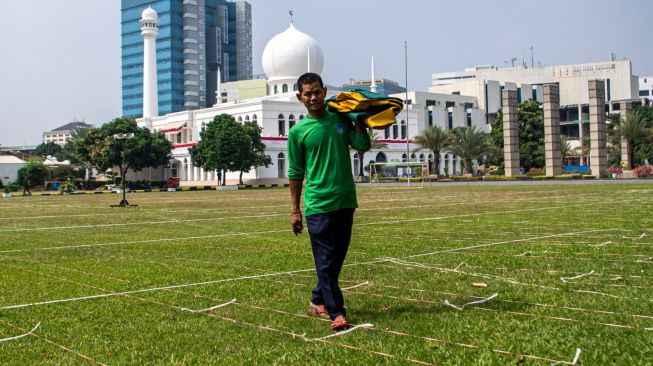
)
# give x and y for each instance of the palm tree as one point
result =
(435, 139)
(376, 144)
(565, 148)
(468, 143)
(632, 130)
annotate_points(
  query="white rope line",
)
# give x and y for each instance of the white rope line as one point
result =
(462, 307)
(402, 262)
(355, 286)
(20, 336)
(338, 334)
(602, 244)
(523, 254)
(645, 260)
(648, 328)
(636, 238)
(208, 310)
(573, 362)
(458, 266)
(567, 279)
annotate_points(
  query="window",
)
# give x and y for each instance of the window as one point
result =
(403, 157)
(254, 117)
(387, 132)
(291, 121)
(395, 131)
(203, 127)
(381, 158)
(282, 125)
(284, 88)
(218, 45)
(179, 138)
(403, 129)
(281, 165)
(455, 93)
(247, 118)
(644, 93)
(430, 118)
(240, 118)
(450, 104)
(294, 88)
(469, 120)
(276, 89)
(430, 102)
(301, 117)
(450, 115)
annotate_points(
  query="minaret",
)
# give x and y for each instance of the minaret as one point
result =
(373, 87)
(149, 31)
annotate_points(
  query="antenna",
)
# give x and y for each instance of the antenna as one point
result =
(511, 61)
(291, 14)
(532, 57)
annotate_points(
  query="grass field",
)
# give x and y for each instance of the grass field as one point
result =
(415, 247)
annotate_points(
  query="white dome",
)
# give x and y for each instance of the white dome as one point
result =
(149, 14)
(286, 56)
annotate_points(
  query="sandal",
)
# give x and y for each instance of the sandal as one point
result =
(339, 324)
(314, 310)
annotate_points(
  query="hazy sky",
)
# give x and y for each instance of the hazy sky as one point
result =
(61, 59)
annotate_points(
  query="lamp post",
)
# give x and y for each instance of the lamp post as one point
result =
(123, 137)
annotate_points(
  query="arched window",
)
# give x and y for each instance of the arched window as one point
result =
(276, 89)
(284, 88)
(403, 157)
(431, 164)
(203, 127)
(301, 117)
(381, 158)
(386, 132)
(254, 117)
(294, 88)
(291, 121)
(240, 118)
(413, 157)
(445, 167)
(421, 157)
(403, 129)
(282, 125)
(395, 131)
(281, 166)
(179, 138)
(247, 118)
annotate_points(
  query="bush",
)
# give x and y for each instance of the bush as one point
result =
(541, 177)
(587, 176)
(642, 171)
(497, 178)
(615, 170)
(465, 179)
(12, 187)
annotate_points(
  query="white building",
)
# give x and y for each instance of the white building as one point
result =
(287, 56)
(9, 166)
(646, 89)
(61, 135)
(485, 83)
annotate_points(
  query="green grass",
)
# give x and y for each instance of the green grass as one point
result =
(518, 240)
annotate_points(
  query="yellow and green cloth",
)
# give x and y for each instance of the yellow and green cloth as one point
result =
(371, 109)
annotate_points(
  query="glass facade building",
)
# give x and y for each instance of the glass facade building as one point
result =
(196, 38)
(384, 86)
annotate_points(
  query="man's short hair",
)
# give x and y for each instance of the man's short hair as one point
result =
(309, 78)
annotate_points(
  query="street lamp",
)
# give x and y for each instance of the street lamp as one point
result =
(123, 137)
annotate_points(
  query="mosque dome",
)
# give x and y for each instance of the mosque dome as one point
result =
(149, 14)
(286, 56)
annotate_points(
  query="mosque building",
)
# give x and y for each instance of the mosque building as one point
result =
(286, 56)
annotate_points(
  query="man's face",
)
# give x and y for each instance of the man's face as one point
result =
(312, 96)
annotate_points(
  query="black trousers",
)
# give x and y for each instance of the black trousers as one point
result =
(330, 235)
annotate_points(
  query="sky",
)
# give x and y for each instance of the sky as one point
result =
(60, 60)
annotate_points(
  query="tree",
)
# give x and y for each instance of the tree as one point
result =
(76, 149)
(375, 144)
(469, 144)
(435, 139)
(254, 156)
(34, 170)
(223, 146)
(565, 148)
(47, 149)
(633, 129)
(103, 150)
(531, 134)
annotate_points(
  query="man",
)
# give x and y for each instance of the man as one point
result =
(318, 150)
(26, 184)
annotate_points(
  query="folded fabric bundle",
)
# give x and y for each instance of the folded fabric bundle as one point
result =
(369, 109)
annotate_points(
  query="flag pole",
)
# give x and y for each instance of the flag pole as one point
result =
(406, 109)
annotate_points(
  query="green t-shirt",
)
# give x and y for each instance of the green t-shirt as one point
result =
(318, 149)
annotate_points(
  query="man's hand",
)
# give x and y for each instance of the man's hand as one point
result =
(296, 223)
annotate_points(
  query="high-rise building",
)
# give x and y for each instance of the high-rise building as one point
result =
(195, 39)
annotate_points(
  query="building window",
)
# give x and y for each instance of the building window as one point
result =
(282, 125)
(240, 118)
(276, 89)
(450, 104)
(450, 120)
(247, 118)
(254, 117)
(284, 88)
(381, 158)
(469, 120)
(403, 129)
(395, 131)
(301, 117)
(644, 93)
(356, 164)
(430, 118)
(281, 166)
(291, 122)
(179, 138)
(294, 88)
(403, 157)
(387, 132)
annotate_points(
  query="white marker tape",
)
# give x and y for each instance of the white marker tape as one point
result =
(644, 260)
(637, 238)
(648, 328)
(567, 279)
(359, 285)
(523, 254)
(458, 266)
(575, 361)
(20, 336)
(602, 244)
(461, 308)
(209, 309)
(366, 325)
